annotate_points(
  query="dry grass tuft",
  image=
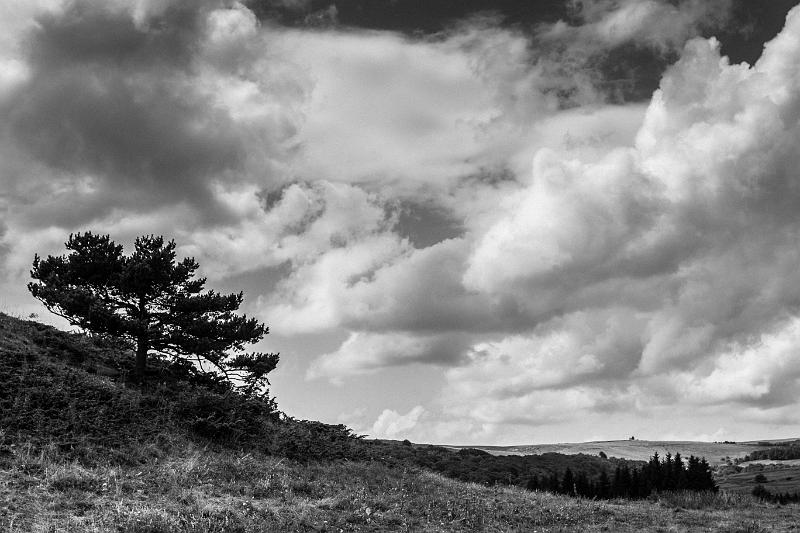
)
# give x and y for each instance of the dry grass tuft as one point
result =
(704, 500)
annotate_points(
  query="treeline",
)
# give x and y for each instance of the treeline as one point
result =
(781, 452)
(478, 466)
(761, 492)
(633, 483)
(577, 475)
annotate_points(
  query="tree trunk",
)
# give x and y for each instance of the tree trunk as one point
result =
(142, 343)
(141, 358)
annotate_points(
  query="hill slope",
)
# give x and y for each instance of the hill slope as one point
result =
(199, 490)
(82, 452)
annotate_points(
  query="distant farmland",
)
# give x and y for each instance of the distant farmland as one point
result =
(779, 479)
(781, 476)
(637, 450)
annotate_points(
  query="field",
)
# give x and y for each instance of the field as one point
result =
(637, 450)
(780, 479)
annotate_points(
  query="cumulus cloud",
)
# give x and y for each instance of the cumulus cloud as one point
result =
(678, 255)
(655, 23)
(622, 47)
(656, 273)
(391, 424)
(589, 258)
(121, 111)
(366, 353)
(378, 98)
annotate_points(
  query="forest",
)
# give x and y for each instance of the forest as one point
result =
(669, 474)
(774, 452)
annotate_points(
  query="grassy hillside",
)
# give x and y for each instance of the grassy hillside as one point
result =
(778, 479)
(80, 451)
(193, 489)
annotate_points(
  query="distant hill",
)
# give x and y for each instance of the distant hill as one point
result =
(635, 450)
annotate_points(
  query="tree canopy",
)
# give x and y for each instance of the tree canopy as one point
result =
(155, 303)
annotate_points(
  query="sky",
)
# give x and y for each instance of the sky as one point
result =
(467, 222)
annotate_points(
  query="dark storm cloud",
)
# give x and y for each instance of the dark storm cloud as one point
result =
(425, 225)
(86, 120)
(91, 32)
(416, 17)
(630, 70)
(115, 99)
(626, 71)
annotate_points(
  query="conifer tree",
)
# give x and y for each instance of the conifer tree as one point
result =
(155, 304)
(568, 482)
(679, 472)
(603, 486)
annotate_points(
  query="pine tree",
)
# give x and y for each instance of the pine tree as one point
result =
(155, 304)
(603, 486)
(616, 482)
(679, 472)
(668, 473)
(582, 486)
(627, 482)
(568, 483)
(637, 484)
(553, 484)
(707, 476)
(693, 475)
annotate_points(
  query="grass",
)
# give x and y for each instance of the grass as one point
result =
(780, 479)
(200, 490)
(205, 490)
(80, 452)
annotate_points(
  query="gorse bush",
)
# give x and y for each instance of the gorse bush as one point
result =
(306, 440)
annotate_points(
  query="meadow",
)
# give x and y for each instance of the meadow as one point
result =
(777, 478)
(81, 452)
(194, 489)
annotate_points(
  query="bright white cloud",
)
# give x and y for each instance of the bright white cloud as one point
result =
(366, 353)
(703, 190)
(608, 258)
(384, 108)
(391, 424)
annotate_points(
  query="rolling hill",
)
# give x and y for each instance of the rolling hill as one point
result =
(81, 450)
(716, 453)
